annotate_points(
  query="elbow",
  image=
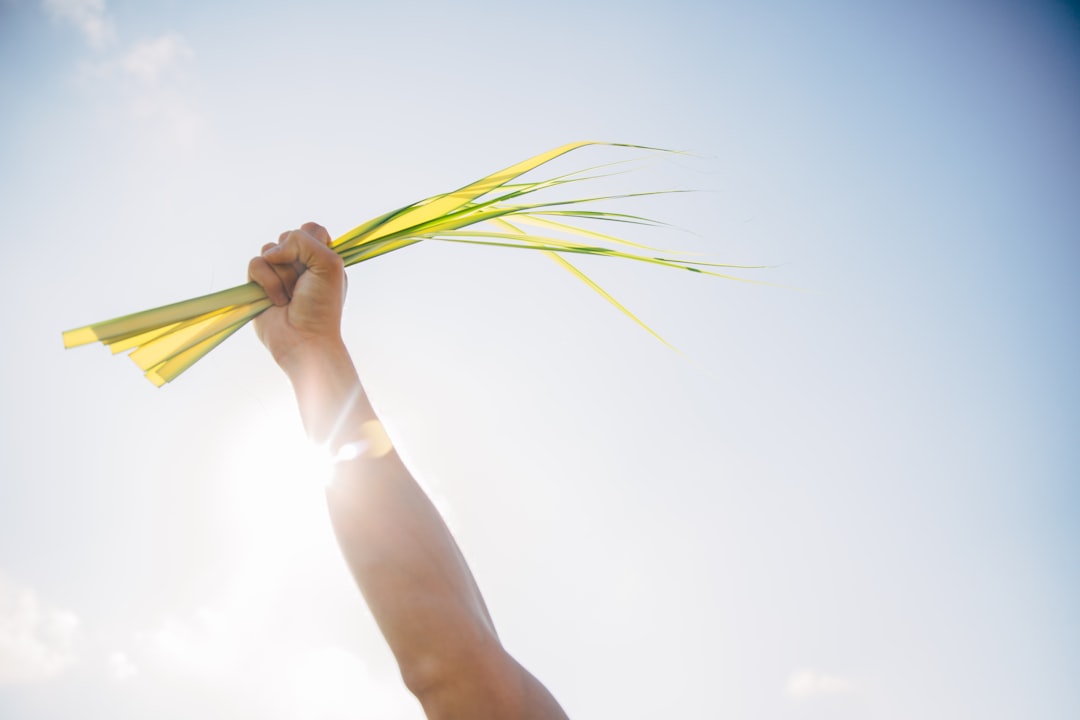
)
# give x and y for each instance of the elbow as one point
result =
(483, 675)
(423, 674)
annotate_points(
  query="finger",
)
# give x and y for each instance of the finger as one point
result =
(301, 247)
(261, 272)
(297, 266)
(317, 231)
(288, 274)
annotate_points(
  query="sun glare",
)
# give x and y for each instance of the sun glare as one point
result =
(275, 479)
(334, 684)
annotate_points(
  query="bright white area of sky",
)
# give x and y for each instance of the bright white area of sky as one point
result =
(858, 499)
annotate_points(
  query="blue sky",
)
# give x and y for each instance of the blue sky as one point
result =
(854, 499)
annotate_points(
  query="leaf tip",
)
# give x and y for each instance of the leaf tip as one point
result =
(79, 336)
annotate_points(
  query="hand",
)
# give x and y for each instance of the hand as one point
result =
(305, 279)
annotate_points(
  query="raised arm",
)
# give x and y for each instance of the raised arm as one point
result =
(404, 559)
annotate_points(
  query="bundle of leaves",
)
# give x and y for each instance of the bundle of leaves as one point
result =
(494, 210)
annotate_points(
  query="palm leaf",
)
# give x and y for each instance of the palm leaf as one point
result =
(166, 341)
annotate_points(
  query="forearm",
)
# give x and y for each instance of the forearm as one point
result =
(410, 571)
(397, 546)
(425, 600)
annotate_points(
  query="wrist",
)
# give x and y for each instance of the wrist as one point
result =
(327, 387)
(309, 355)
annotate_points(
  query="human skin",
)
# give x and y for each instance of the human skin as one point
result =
(401, 554)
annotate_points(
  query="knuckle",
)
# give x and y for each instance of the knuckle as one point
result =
(259, 271)
(277, 294)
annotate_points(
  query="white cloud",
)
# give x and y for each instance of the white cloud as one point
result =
(807, 683)
(88, 17)
(205, 645)
(36, 641)
(148, 83)
(334, 684)
(263, 668)
(151, 61)
(121, 668)
(144, 81)
(156, 71)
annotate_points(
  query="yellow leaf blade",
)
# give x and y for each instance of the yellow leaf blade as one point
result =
(607, 296)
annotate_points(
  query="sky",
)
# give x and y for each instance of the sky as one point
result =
(852, 493)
